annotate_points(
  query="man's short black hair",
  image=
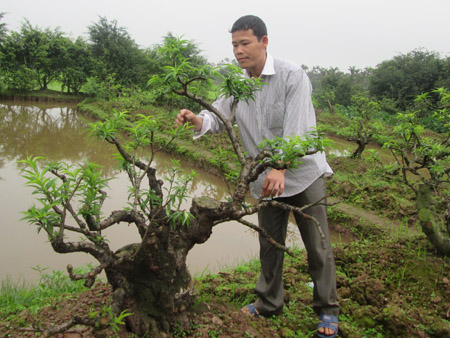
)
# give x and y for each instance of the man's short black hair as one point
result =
(250, 22)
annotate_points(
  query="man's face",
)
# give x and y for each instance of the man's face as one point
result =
(249, 52)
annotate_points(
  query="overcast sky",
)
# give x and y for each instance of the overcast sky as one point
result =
(326, 33)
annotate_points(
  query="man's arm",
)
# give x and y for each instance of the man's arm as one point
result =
(206, 121)
(300, 117)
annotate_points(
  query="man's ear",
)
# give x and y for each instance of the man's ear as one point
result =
(265, 41)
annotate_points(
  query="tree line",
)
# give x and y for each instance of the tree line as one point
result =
(107, 63)
(110, 63)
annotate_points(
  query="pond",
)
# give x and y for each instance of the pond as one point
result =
(59, 134)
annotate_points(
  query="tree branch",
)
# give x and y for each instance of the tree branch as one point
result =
(76, 320)
(89, 277)
(128, 216)
(264, 234)
(227, 123)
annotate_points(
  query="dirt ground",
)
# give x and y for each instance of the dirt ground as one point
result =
(232, 323)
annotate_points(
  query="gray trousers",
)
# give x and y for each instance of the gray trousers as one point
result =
(269, 287)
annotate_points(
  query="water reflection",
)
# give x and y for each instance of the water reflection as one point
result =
(59, 134)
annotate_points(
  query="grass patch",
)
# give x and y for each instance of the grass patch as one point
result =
(17, 296)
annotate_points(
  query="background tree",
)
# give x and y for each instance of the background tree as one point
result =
(3, 29)
(150, 279)
(406, 76)
(423, 164)
(76, 65)
(32, 54)
(333, 87)
(117, 54)
(364, 125)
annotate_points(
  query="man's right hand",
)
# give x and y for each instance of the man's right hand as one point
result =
(186, 116)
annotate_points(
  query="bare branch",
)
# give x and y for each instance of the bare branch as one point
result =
(249, 210)
(76, 320)
(89, 277)
(95, 250)
(299, 210)
(264, 234)
(124, 216)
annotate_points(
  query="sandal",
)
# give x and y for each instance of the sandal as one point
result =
(251, 310)
(330, 322)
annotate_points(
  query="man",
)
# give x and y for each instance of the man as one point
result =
(282, 108)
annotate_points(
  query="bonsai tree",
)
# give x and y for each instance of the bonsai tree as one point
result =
(152, 287)
(423, 163)
(363, 127)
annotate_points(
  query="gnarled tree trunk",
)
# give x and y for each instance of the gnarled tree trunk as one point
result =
(361, 146)
(432, 224)
(151, 280)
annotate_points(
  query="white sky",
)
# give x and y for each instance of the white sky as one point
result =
(326, 33)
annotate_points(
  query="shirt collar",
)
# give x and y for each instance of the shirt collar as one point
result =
(268, 69)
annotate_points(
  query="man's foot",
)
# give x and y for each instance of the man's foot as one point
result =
(328, 326)
(250, 310)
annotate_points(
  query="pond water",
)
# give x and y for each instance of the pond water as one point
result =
(59, 134)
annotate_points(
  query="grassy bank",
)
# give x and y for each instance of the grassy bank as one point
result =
(48, 95)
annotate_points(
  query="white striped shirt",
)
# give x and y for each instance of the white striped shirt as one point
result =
(282, 108)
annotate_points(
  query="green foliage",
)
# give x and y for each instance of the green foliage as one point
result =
(3, 29)
(114, 322)
(117, 53)
(22, 79)
(177, 193)
(34, 58)
(364, 125)
(140, 135)
(57, 185)
(108, 129)
(415, 151)
(180, 74)
(423, 163)
(77, 64)
(289, 150)
(333, 87)
(223, 160)
(106, 89)
(36, 49)
(236, 85)
(407, 75)
(16, 297)
(179, 71)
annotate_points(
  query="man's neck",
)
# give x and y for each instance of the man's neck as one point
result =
(257, 73)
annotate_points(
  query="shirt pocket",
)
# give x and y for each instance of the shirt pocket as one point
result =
(275, 118)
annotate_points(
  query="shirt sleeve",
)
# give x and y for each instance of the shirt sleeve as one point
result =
(211, 122)
(300, 117)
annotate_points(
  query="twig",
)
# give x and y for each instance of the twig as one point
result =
(76, 320)
(299, 210)
(263, 233)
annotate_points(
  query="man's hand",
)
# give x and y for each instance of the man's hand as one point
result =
(186, 116)
(274, 183)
